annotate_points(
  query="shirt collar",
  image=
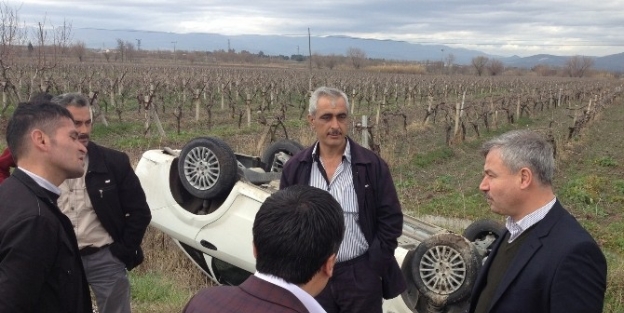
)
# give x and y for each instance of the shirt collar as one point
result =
(308, 301)
(517, 228)
(345, 156)
(44, 183)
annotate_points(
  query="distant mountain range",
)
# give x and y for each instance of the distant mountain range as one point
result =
(295, 45)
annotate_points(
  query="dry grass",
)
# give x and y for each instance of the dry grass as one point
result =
(417, 69)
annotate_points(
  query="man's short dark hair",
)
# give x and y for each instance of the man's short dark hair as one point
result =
(295, 231)
(41, 97)
(29, 116)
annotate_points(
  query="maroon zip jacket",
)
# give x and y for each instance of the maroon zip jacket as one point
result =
(6, 162)
(253, 295)
(380, 211)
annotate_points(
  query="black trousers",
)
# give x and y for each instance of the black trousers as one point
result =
(353, 288)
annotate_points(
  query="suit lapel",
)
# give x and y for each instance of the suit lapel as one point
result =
(528, 249)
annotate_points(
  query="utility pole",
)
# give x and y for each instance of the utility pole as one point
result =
(174, 50)
(310, 59)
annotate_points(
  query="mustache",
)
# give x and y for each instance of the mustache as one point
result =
(83, 136)
(334, 132)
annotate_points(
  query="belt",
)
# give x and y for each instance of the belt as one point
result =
(89, 250)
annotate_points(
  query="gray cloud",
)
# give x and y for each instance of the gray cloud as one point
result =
(503, 27)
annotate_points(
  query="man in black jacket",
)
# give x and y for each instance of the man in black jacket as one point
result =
(40, 266)
(109, 213)
(361, 182)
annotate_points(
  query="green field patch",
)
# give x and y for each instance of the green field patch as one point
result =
(153, 289)
(436, 156)
(606, 162)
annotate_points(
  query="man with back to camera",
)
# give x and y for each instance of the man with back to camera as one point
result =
(40, 267)
(296, 235)
(545, 262)
(361, 182)
(108, 211)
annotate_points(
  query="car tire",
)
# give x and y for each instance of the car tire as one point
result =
(483, 233)
(481, 228)
(276, 155)
(207, 168)
(444, 268)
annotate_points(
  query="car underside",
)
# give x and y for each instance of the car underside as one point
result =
(205, 198)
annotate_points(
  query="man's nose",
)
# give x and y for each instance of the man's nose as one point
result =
(81, 147)
(82, 128)
(483, 186)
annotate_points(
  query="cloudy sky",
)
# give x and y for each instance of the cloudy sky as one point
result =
(501, 27)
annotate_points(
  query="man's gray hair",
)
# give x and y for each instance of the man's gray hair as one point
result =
(329, 92)
(524, 148)
(71, 98)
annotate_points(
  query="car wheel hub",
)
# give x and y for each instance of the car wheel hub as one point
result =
(201, 168)
(443, 269)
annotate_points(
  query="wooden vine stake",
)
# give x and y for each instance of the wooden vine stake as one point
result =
(150, 113)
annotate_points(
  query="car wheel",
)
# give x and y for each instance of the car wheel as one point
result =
(207, 167)
(483, 233)
(444, 268)
(276, 155)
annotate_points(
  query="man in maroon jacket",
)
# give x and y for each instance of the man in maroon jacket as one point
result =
(360, 181)
(296, 234)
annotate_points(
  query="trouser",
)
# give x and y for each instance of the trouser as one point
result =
(108, 279)
(354, 287)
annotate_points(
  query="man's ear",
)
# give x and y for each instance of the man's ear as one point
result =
(328, 266)
(39, 139)
(311, 120)
(526, 177)
(255, 251)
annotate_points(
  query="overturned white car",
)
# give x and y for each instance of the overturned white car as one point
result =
(205, 197)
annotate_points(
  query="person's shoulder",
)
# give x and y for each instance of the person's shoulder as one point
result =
(363, 155)
(302, 156)
(108, 153)
(16, 208)
(305, 153)
(216, 298)
(108, 150)
(566, 228)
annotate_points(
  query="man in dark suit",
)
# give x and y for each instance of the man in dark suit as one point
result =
(545, 262)
(40, 267)
(296, 235)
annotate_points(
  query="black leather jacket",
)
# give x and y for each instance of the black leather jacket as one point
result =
(119, 201)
